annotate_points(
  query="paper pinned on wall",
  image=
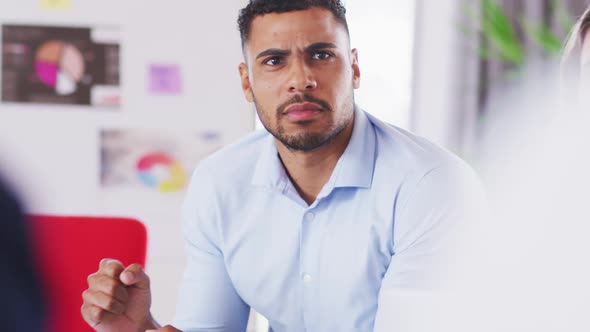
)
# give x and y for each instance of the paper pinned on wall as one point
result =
(56, 4)
(61, 65)
(165, 79)
(154, 160)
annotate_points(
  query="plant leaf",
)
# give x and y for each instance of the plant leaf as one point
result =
(543, 37)
(563, 15)
(500, 33)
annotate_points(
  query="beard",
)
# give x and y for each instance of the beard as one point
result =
(307, 140)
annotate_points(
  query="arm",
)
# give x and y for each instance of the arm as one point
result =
(207, 299)
(429, 235)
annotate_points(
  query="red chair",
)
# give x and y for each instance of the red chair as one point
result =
(68, 249)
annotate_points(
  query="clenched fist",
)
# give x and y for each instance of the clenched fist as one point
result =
(118, 298)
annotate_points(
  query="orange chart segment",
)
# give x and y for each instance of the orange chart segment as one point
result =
(50, 52)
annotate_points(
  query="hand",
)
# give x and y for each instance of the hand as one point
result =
(118, 298)
(167, 328)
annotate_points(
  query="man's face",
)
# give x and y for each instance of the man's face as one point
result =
(301, 75)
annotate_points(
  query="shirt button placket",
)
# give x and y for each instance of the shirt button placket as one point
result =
(309, 257)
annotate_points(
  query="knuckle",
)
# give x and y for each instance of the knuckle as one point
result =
(109, 265)
(91, 277)
(114, 262)
(85, 313)
(96, 314)
(103, 262)
(96, 282)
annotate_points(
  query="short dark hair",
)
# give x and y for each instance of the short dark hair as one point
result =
(260, 7)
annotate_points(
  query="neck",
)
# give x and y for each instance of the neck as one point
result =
(309, 171)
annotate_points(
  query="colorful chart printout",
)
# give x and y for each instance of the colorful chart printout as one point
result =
(152, 160)
(60, 65)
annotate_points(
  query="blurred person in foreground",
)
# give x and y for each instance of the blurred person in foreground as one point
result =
(311, 222)
(575, 63)
(531, 262)
(21, 300)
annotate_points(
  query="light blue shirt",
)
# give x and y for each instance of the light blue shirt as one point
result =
(379, 222)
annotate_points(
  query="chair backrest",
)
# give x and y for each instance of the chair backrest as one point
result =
(68, 249)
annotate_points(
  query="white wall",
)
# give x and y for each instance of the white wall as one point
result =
(52, 151)
(383, 33)
(445, 59)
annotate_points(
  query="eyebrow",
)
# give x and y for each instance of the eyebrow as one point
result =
(283, 52)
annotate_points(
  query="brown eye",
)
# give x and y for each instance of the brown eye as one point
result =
(274, 61)
(322, 56)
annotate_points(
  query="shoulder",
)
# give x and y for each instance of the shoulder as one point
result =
(233, 159)
(224, 172)
(233, 163)
(429, 175)
(411, 150)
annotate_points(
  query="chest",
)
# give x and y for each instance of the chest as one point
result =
(285, 259)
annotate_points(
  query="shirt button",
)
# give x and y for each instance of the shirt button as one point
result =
(307, 278)
(309, 216)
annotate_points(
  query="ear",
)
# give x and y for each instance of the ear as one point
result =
(356, 71)
(245, 78)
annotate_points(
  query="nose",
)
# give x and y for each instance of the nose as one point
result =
(301, 78)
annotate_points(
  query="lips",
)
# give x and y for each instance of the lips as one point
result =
(302, 111)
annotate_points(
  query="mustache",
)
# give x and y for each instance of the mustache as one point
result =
(302, 98)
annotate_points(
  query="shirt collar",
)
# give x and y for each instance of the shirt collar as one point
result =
(357, 163)
(354, 168)
(269, 171)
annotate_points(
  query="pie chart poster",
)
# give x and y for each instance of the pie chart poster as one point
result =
(152, 160)
(58, 65)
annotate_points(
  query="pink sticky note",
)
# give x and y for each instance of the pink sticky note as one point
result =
(165, 79)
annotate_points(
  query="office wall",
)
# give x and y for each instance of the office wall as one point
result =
(443, 86)
(52, 152)
(383, 33)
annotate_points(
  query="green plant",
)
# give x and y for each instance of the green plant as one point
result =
(500, 38)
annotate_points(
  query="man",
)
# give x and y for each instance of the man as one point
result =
(309, 223)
